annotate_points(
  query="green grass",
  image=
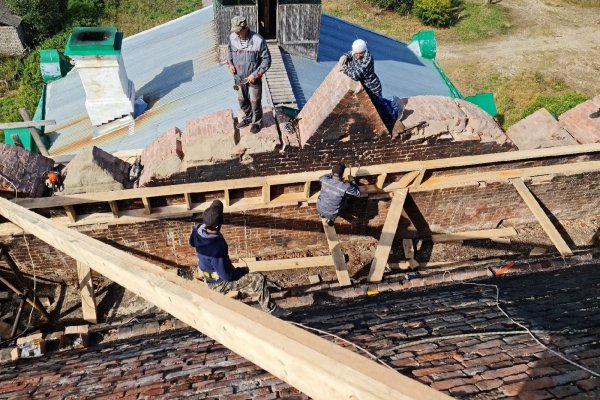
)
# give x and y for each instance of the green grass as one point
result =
(129, 16)
(519, 96)
(480, 21)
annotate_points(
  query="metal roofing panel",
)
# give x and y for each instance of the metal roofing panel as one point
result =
(174, 65)
(402, 73)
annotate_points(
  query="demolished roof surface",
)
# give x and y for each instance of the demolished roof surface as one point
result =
(402, 72)
(23, 169)
(454, 339)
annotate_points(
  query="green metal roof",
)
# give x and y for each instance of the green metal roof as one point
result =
(94, 41)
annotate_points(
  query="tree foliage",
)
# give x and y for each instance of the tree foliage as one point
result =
(438, 13)
(401, 6)
(41, 18)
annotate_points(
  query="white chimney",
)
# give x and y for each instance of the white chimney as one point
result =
(97, 55)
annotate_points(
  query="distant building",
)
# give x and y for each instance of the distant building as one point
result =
(12, 39)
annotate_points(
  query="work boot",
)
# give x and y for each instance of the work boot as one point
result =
(243, 123)
(255, 128)
(279, 312)
(329, 222)
(595, 114)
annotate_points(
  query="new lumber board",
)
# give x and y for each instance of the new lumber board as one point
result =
(339, 259)
(315, 366)
(409, 166)
(26, 124)
(472, 235)
(388, 233)
(288, 263)
(86, 288)
(542, 218)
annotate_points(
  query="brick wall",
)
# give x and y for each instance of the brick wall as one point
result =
(11, 40)
(297, 228)
(24, 169)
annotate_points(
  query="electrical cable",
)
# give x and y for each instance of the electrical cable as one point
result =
(526, 329)
(374, 357)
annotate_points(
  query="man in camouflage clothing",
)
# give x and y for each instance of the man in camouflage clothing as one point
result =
(214, 263)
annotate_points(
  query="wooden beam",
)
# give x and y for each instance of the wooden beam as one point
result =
(402, 182)
(339, 259)
(147, 205)
(226, 198)
(188, 200)
(288, 263)
(410, 166)
(473, 235)
(114, 208)
(34, 134)
(387, 236)
(419, 178)
(307, 190)
(315, 366)
(70, 210)
(542, 218)
(266, 194)
(27, 124)
(380, 181)
(86, 287)
(409, 248)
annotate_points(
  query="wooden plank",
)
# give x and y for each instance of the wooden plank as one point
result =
(307, 190)
(403, 182)
(410, 166)
(86, 288)
(339, 259)
(266, 194)
(387, 236)
(34, 134)
(147, 206)
(288, 263)
(114, 208)
(27, 124)
(409, 249)
(315, 366)
(226, 198)
(419, 178)
(188, 200)
(473, 235)
(380, 181)
(70, 210)
(542, 218)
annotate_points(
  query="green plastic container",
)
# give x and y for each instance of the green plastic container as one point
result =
(485, 101)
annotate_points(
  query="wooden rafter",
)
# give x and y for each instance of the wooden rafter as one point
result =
(315, 366)
(387, 236)
(542, 218)
(86, 287)
(339, 259)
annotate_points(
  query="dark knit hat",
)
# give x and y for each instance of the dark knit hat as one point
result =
(338, 169)
(213, 216)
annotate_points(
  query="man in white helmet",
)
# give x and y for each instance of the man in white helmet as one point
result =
(358, 64)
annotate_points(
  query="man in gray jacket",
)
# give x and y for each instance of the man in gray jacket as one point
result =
(248, 58)
(334, 193)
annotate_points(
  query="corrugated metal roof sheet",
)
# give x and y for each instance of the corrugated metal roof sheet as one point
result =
(402, 73)
(175, 65)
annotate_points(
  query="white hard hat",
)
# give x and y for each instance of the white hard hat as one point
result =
(359, 46)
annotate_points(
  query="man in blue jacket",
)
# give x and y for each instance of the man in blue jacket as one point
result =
(215, 265)
(248, 58)
(334, 193)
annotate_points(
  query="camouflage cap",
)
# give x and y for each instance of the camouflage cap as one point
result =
(238, 23)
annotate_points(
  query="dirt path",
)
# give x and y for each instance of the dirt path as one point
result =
(547, 36)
